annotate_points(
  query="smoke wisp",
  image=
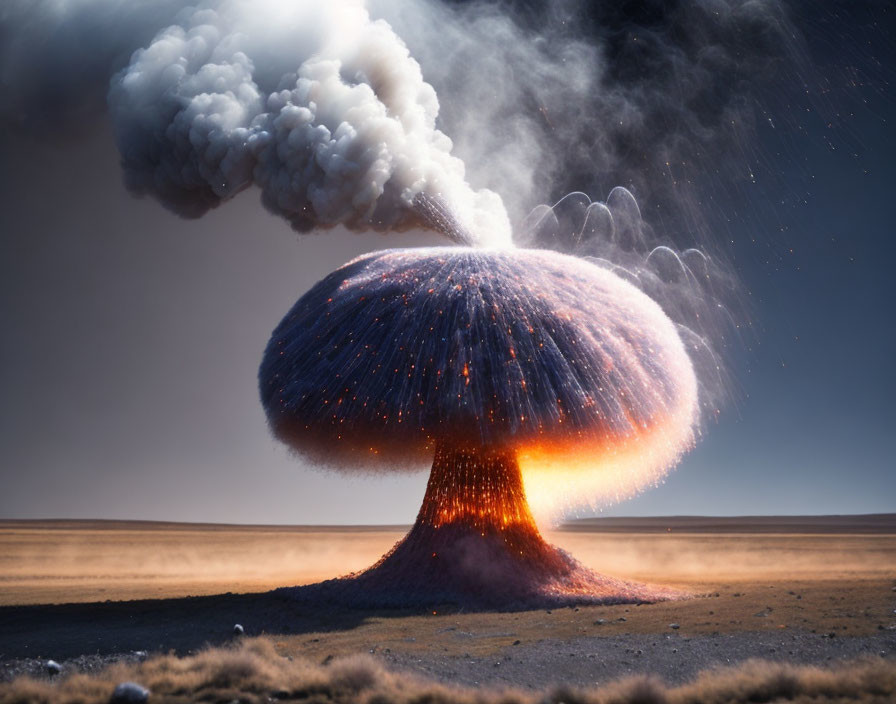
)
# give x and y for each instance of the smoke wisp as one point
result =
(693, 289)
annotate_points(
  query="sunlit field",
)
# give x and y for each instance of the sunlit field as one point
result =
(82, 561)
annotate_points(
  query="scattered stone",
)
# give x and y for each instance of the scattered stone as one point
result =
(238, 630)
(674, 626)
(622, 618)
(600, 622)
(517, 642)
(53, 668)
(140, 654)
(129, 693)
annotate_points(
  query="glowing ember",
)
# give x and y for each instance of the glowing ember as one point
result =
(492, 360)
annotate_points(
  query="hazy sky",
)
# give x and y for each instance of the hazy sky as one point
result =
(131, 338)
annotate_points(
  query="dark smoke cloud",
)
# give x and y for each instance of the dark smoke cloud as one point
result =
(550, 98)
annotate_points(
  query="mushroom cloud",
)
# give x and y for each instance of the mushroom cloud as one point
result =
(524, 373)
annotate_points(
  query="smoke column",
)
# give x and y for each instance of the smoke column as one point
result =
(538, 100)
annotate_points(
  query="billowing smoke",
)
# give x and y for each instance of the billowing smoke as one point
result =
(539, 99)
(319, 106)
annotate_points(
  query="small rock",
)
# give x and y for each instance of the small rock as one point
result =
(140, 654)
(674, 626)
(53, 668)
(622, 618)
(600, 622)
(238, 630)
(517, 642)
(129, 693)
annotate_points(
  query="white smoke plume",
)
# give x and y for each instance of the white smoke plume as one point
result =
(320, 106)
(331, 110)
(539, 99)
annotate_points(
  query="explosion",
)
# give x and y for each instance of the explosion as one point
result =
(532, 381)
(500, 363)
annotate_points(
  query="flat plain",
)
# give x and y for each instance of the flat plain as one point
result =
(802, 590)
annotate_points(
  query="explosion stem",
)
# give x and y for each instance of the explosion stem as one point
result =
(476, 544)
(479, 489)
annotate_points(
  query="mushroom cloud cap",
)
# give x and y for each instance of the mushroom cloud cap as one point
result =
(532, 351)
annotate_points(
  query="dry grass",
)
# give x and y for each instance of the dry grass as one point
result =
(253, 672)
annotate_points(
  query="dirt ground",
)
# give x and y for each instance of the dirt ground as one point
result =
(801, 597)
